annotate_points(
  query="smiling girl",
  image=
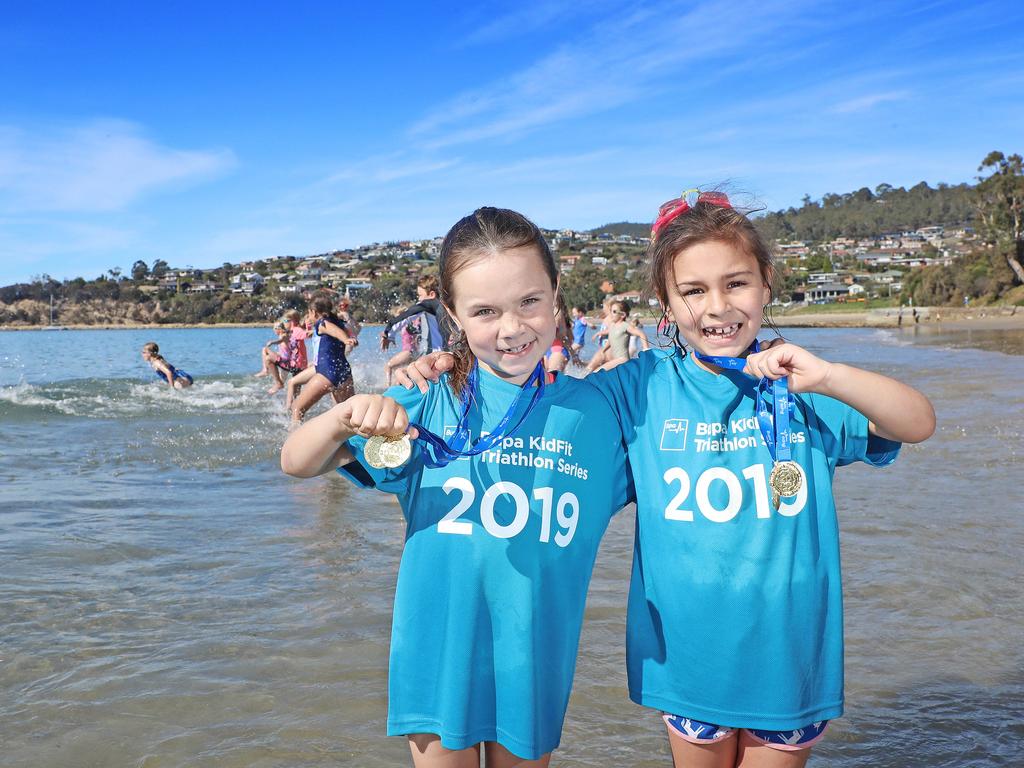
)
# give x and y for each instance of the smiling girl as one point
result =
(500, 542)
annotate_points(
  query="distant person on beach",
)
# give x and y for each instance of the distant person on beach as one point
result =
(579, 329)
(333, 373)
(734, 628)
(600, 357)
(500, 544)
(618, 331)
(560, 352)
(166, 372)
(438, 330)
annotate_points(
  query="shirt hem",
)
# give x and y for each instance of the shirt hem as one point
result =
(784, 722)
(450, 740)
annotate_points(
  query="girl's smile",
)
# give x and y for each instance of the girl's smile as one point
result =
(505, 303)
(717, 298)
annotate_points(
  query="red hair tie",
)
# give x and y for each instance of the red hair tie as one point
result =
(685, 202)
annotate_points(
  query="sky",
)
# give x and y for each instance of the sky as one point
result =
(202, 133)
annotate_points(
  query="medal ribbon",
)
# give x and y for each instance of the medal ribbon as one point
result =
(440, 453)
(775, 431)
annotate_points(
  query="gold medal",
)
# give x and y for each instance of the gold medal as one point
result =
(785, 479)
(394, 450)
(371, 451)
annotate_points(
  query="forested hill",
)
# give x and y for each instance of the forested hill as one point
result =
(853, 214)
(863, 213)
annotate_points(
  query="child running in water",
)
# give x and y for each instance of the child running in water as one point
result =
(500, 545)
(618, 332)
(164, 370)
(333, 373)
(734, 628)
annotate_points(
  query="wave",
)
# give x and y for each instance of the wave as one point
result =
(127, 399)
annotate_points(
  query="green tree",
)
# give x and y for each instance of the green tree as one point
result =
(1001, 207)
(139, 270)
(160, 268)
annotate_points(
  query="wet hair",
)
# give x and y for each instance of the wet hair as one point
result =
(703, 223)
(322, 305)
(153, 348)
(429, 284)
(293, 315)
(485, 232)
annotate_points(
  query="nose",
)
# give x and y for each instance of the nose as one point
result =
(717, 302)
(510, 325)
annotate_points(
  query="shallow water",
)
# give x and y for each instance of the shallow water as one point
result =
(169, 598)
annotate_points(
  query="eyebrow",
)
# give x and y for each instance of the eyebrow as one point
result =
(738, 273)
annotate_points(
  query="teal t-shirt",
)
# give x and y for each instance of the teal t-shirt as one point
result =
(735, 607)
(498, 554)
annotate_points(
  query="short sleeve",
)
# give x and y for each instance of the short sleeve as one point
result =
(398, 480)
(845, 434)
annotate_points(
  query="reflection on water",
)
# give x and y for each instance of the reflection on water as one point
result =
(169, 598)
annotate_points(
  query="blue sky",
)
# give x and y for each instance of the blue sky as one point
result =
(201, 133)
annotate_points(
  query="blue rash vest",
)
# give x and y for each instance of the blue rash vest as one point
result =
(498, 554)
(735, 607)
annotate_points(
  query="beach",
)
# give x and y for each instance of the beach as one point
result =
(172, 599)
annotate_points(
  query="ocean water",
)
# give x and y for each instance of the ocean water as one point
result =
(169, 598)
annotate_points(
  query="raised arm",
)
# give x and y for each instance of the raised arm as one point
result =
(640, 334)
(318, 445)
(894, 410)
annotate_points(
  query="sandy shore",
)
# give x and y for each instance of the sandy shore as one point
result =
(953, 318)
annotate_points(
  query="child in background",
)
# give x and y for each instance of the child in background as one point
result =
(307, 373)
(618, 331)
(333, 373)
(407, 330)
(283, 361)
(634, 341)
(499, 545)
(558, 355)
(734, 629)
(739, 642)
(297, 334)
(435, 326)
(269, 356)
(164, 370)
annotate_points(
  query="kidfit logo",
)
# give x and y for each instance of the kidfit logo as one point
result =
(673, 434)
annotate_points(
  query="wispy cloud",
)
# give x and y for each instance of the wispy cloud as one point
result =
(868, 102)
(615, 62)
(98, 166)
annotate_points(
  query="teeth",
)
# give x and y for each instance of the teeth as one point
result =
(728, 330)
(515, 350)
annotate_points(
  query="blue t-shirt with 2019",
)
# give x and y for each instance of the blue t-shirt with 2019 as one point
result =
(735, 607)
(498, 555)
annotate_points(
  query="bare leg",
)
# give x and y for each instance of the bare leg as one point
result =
(496, 756)
(317, 387)
(427, 752)
(278, 384)
(753, 754)
(344, 391)
(295, 382)
(597, 361)
(265, 356)
(397, 361)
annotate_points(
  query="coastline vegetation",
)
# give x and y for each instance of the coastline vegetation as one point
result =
(971, 250)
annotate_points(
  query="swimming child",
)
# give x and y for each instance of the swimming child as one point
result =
(619, 331)
(333, 373)
(734, 627)
(164, 370)
(739, 640)
(500, 543)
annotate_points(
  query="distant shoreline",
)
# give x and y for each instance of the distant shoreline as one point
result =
(952, 318)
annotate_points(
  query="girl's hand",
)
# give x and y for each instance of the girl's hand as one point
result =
(368, 415)
(351, 343)
(424, 370)
(806, 372)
